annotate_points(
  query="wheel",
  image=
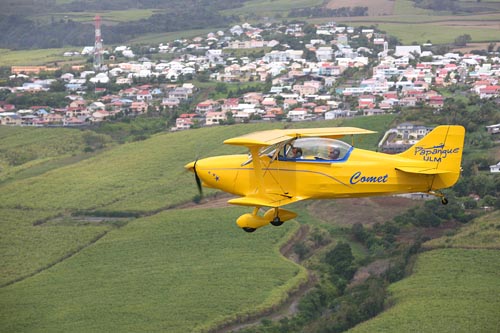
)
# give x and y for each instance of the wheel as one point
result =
(444, 201)
(276, 221)
(247, 229)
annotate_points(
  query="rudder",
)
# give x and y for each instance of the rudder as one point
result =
(441, 150)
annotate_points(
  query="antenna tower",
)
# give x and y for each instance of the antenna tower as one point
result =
(98, 44)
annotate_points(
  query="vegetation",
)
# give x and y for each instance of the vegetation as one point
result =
(89, 240)
(450, 290)
(83, 257)
(180, 271)
(23, 32)
(483, 233)
(31, 148)
(322, 12)
(40, 25)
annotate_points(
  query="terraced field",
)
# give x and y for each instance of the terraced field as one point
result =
(453, 288)
(149, 267)
(150, 261)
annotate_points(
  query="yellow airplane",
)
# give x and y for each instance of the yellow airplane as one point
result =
(289, 165)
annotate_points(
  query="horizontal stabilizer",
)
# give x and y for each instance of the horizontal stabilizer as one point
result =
(264, 201)
(422, 171)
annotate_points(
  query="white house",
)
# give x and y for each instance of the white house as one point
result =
(297, 115)
(402, 50)
(495, 168)
(215, 117)
(100, 78)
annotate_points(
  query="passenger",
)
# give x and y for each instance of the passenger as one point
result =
(334, 153)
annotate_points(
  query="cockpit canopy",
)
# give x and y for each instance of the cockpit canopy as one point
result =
(316, 149)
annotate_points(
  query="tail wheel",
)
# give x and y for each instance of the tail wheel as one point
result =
(444, 201)
(248, 229)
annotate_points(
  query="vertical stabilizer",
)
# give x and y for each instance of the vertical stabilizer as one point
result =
(440, 150)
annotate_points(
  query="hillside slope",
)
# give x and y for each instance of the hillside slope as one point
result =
(451, 289)
(140, 259)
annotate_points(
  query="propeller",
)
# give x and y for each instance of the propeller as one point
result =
(197, 178)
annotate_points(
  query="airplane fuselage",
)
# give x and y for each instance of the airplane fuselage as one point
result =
(366, 173)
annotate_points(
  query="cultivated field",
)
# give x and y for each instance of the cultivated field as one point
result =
(450, 290)
(398, 18)
(375, 7)
(484, 233)
(121, 273)
(156, 267)
(401, 19)
(176, 271)
(453, 288)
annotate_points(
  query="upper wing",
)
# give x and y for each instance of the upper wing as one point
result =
(271, 137)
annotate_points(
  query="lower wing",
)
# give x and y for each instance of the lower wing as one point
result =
(267, 200)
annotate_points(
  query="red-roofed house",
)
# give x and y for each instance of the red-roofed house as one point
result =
(230, 104)
(436, 101)
(366, 102)
(139, 107)
(207, 106)
(489, 91)
(144, 95)
(185, 121)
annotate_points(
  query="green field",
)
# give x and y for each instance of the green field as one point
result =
(421, 33)
(180, 270)
(176, 271)
(32, 151)
(451, 289)
(270, 8)
(63, 264)
(107, 17)
(484, 233)
(407, 23)
(36, 57)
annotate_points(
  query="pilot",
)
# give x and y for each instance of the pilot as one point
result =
(333, 153)
(296, 152)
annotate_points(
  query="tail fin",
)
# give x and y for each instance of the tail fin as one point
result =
(441, 150)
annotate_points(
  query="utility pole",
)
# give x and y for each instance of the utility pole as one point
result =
(98, 44)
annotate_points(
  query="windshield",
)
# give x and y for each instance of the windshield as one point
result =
(317, 149)
(307, 149)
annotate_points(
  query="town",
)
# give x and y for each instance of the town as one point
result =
(324, 71)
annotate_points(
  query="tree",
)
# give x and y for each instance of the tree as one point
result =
(462, 40)
(358, 232)
(57, 86)
(341, 259)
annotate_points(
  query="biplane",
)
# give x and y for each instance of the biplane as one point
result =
(284, 166)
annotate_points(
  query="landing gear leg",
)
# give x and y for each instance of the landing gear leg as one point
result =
(444, 200)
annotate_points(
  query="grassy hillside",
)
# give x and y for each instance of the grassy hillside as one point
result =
(122, 274)
(178, 271)
(28, 246)
(484, 233)
(30, 151)
(451, 289)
